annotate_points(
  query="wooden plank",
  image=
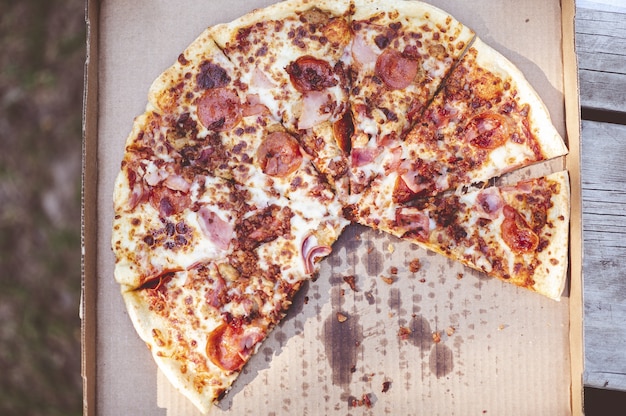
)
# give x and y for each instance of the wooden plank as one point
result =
(604, 227)
(601, 48)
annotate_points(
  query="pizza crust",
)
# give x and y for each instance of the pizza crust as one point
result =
(551, 276)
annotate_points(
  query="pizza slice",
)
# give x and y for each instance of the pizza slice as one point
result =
(486, 120)
(216, 125)
(292, 60)
(517, 233)
(401, 53)
(218, 295)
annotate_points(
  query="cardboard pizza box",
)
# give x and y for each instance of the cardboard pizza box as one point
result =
(476, 345)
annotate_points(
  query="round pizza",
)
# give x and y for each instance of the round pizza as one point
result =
(271, 134)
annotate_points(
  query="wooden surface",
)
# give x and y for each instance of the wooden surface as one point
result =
(601, 49)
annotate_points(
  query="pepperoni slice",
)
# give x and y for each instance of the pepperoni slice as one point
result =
(310, 74)
(487, 131)
(230, 347)
(396, 70)
(219, 109)
(279, 155)
(516, 232)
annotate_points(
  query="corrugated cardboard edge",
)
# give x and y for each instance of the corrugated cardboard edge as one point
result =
(89, 240)
(572, 123)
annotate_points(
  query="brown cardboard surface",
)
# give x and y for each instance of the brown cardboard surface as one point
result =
(502, 350)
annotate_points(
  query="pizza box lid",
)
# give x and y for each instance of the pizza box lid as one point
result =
(477, 345)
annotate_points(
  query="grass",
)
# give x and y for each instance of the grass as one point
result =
(41, 82)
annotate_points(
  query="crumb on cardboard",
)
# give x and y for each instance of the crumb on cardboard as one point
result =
(351, 281)
(459, 276)
(404, 332)
(387, 279)
(436, 337)
(391, 248)
(365, 400)
(386, 386)
(393, 270)
(450, 331)
(415, 265)
(341, 317)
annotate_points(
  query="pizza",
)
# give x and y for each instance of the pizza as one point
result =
(271, 134)
(512, 232)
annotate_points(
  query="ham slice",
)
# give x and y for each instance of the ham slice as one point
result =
(315, 109)
(217, 230)
(362, 52)
(362, 156)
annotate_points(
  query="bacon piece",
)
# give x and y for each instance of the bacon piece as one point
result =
(167, 201)
(419, 177)
(264, 226)
(219, 109)
(279, 154)
(137, 194)
(362, 156)
(137, 190)
(396, 160)
(216, 229)
(229, 347)
(154, 176)
(414, 222)
(311, 74)
(177, 183)
(402, 192)
(311, 251)
(516, 233)
(396, 70)
(216, 294)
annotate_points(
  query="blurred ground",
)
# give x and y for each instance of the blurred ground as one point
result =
(42, 44)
